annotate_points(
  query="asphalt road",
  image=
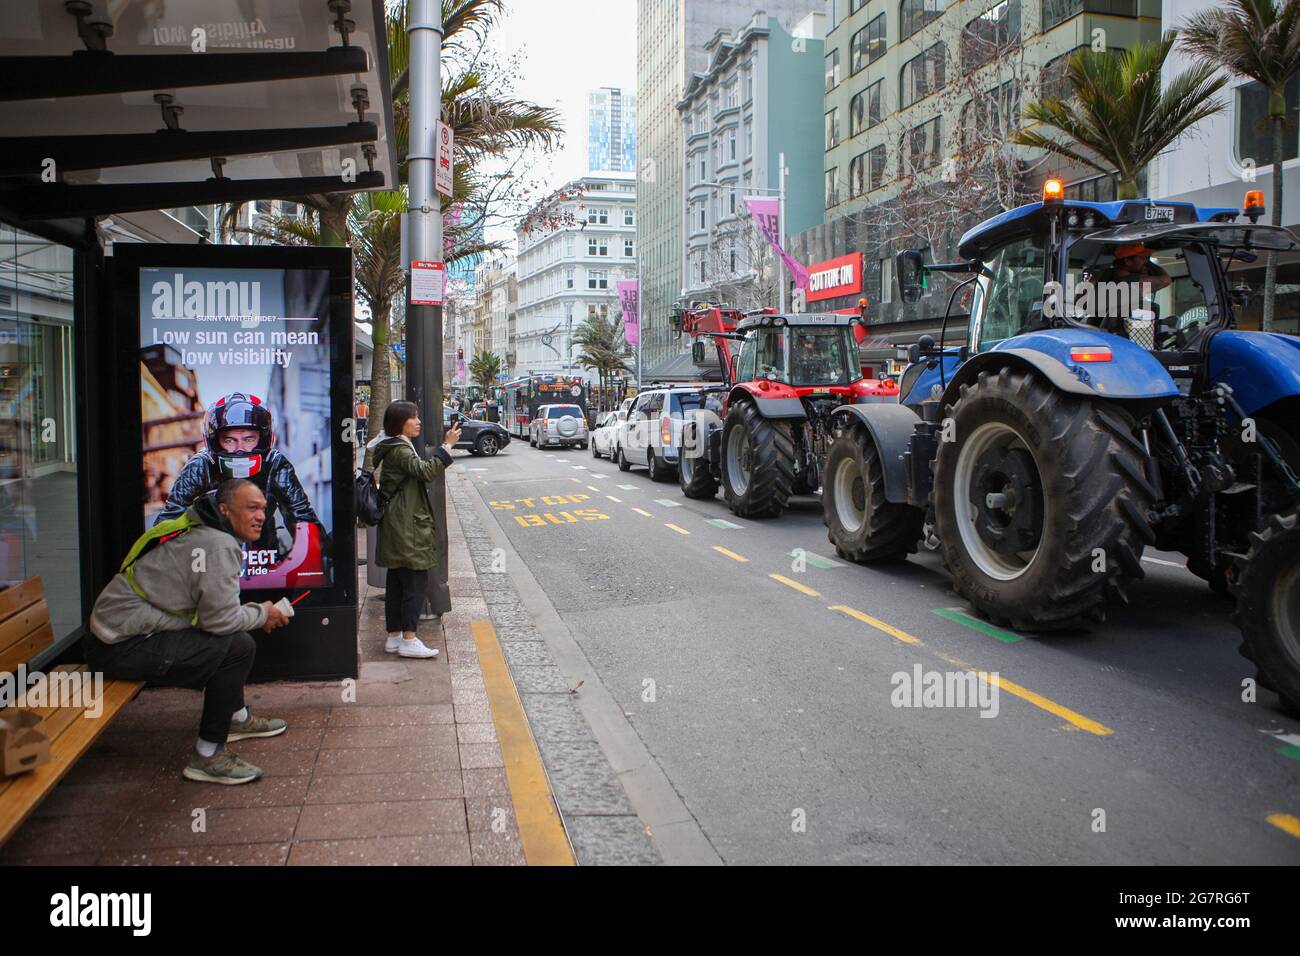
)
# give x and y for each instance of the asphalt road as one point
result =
(762, 674)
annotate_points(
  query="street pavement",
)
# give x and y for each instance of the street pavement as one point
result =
(741, 680)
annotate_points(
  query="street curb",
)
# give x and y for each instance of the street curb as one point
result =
(618, 804)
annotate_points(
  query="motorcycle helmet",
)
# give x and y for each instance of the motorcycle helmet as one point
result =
(232, 411)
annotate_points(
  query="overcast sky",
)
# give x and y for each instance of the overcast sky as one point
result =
(569, 47)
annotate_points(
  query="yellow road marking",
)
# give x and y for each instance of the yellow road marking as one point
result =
(731, 554)
(803, 589)
(642, 511)
(612, 498)
(679, 530)
(541, 832)
(1286, 823)
(878, 625)
(1038, 700)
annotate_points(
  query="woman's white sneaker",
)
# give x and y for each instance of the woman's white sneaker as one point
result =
(415, 648)
(393, 644)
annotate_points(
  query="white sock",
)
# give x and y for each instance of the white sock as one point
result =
(240, 715)
(205, 749)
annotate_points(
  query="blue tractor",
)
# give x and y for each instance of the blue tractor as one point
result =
(1105, 402)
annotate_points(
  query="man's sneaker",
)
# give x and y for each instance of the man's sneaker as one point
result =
(416, 648)
(221, 767)
(256, 726)
(392, 644)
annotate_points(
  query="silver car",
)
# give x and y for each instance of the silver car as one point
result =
(558, 425)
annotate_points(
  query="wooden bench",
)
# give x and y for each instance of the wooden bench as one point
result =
(25, 631)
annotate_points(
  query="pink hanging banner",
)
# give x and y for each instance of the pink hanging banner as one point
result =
(629, 298)
(767, 216)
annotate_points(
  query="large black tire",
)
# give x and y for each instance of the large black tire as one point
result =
(764, 489)
(656, 469)
(621, 458)
(1087, 488)
(487, 444)
(860, 522)
(594, 453)
(1267, 590)
(695, 477)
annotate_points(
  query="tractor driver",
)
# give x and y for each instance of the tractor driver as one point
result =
(816, 359)
(1132, 265)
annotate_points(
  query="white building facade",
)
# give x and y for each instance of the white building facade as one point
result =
(568, 268)
(1226, 155)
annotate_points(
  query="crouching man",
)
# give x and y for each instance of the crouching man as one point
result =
(172, 618)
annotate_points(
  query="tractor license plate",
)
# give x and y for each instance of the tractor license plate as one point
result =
(1160, 213)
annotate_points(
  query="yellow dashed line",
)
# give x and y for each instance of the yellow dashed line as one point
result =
(642, 511)
(878, 625)
(612, 498)
(731, 554)
(541, 833)
(679, 530)
(803, 589)
(1074, 718)
(1286, 823)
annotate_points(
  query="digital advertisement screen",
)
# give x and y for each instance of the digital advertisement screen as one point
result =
(235, 383)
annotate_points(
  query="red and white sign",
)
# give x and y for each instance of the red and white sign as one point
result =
(835, 277)
(442, 167)
(428, 280)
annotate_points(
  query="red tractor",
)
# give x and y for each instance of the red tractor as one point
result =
(771, 426)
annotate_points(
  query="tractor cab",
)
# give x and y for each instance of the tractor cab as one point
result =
(802, 351)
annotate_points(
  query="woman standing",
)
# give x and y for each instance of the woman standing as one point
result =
(408, 544)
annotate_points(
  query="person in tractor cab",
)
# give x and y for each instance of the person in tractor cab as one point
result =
(816, 359)
(239, 435)
(1132, 265)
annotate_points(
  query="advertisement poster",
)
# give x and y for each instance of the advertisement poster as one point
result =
(235, 383)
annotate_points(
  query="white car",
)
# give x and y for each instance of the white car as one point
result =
(605, 438)
(558, 425)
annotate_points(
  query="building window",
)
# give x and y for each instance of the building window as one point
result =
(833, 128)
(598, 215)
(732, 194)
(749, 138)
(731, 143)
(701, 272)
(922, 75)
(832, 187)
(832, 69)
(597, 280)
(856, 5)
(914, 14)
(597, 246)
(600, 312)
(629, 217)
(568, 278)
(993, 30)
(703, 207)
(629, 249)
(858, 175)
(731, 251)
(868, 44)
(865, 108)
(992, 119)
(885, 292)
(1058, 11)
(1254, 136)
(876, 167)
(922, 146)
(702, 174)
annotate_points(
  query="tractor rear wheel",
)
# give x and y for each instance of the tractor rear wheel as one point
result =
(757, 463)
(1268, 606)
(860, 522)
(694, 476)
(1041, 502)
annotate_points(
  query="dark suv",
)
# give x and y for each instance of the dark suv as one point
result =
(481, 438)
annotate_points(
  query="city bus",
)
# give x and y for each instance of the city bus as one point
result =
(521, 397)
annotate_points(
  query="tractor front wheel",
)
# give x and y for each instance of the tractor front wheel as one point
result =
(860, 522)
(757, 465)
(1268, 606)
(1041, 502)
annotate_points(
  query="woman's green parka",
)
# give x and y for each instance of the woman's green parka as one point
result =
(406, 534)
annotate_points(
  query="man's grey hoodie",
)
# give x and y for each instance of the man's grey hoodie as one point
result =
(197, 569)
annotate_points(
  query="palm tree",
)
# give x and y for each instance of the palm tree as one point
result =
(1258, 40)
(484, 369)
(1118, 118)
(603, 348)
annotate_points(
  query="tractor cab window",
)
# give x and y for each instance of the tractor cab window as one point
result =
(823, 356)
(1157, 298)
(746, 367)
(771, 355)
(1003, 300)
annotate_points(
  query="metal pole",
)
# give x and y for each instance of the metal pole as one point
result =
(424, 322)
(780, 224)
(640, 341)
